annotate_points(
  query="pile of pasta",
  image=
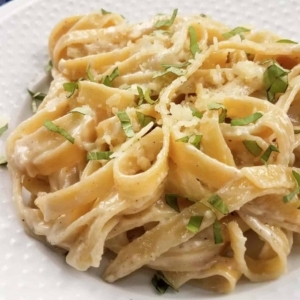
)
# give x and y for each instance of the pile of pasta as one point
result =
(173, 143)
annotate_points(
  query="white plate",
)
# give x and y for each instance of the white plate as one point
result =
(28, 269)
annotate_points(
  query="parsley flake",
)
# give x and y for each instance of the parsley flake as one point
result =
(194, 224)
(276, 81)
(144, 120)
(96, 155)
(253, 147)
(235, 31)
(167, 22)
(266, 155)
(54, 128)
(247, 120)
(125, 123)
(218, 203)
(218, 106)
(108, 79)
(194, 47)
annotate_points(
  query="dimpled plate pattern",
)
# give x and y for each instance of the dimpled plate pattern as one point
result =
(30, 270)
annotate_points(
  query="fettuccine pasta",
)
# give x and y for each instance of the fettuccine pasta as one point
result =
(174, 143)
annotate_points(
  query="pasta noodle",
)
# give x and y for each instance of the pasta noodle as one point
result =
(174, 143)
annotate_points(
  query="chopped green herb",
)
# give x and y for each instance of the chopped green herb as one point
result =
(34, 97)
(173, 70)
(247, 120)
(179, 66)
(95, 155)
(275, 80)
(161, 275)
(125, 123)
(37, 96)
(217, 232)
(285, 41)
(144, 120)
(235, 31)
(253, 147)
(54, 128)
(3, 161)
(49, 66)
(105, 12)
(148, 98)
(266, 155)
(3, 128)
(169, 68)
(279, 87)
(218, 203)
(171, 200)
(161, 283)
(109, 78)
(141, 95)
(297, 177)
(195, 140)
(290, 196)
(89, 74)
(194, 224)
(217, 106)
(194, 47)
(145, 96)
(84, 110)
(70, 87)
(297, 131)
(184, 139)
(196, 113)
(167, 22)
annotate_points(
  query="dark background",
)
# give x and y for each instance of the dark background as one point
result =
(3, 1)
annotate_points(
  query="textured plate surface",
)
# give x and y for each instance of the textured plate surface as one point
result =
(28, 269)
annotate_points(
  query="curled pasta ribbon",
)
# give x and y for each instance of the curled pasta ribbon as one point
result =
(156, 242)
(155, 213)
(109, 102)
(47, 154)
(205, 169)
(67, 35)
(273, 210)
(56, 204)
(186, 258)
(260, 269)
(57, 107)
(233, 194)
(221, 276)
(143, 167)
